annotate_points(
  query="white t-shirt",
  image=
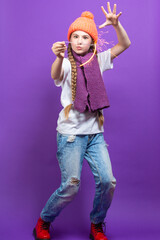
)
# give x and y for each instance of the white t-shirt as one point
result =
(79, 123)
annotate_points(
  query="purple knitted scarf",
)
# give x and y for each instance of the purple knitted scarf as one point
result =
(90, 90)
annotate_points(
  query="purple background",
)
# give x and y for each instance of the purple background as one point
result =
(29, 107)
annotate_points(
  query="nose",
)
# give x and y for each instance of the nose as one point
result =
(79, 42)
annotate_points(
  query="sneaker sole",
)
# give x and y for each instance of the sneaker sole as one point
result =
(34, 234)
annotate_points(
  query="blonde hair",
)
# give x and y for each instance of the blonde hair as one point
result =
(74, 81)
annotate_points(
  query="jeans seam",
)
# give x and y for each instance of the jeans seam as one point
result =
(98, 174)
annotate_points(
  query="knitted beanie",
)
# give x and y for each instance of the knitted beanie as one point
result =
(84, 23)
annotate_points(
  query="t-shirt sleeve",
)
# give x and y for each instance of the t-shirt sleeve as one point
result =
(104, 59)
(66, 68)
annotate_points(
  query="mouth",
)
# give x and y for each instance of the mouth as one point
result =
(79, 48)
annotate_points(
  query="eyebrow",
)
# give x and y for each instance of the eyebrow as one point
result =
(85, 35)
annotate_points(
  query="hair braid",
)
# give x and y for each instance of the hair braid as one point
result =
(74, 72)
(73, 80)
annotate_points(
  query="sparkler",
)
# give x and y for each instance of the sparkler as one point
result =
(97, 46)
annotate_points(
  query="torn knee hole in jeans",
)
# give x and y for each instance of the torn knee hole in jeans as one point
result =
(106, 144)
(71, 138)
(74, 181)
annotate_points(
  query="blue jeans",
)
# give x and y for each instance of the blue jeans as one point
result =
(71, 150)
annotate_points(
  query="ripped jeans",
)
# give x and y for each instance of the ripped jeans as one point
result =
(71, 150)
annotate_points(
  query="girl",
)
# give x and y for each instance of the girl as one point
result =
(80, 123)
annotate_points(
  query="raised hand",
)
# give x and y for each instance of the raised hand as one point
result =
(59, 49)
(111, 17)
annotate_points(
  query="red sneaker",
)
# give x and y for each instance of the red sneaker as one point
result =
(41, 231)
(97, 232)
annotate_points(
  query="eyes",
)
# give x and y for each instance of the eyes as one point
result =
(84, 37)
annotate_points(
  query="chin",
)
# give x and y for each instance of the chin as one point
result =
(80, 52)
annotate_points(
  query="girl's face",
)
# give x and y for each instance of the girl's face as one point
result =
(80, 42)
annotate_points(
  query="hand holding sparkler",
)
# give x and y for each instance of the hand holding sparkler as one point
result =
(111, 17)
(59, 49)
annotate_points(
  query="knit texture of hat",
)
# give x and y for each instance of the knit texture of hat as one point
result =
(84, 23)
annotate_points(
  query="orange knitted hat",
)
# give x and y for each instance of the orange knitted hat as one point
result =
(84, 23)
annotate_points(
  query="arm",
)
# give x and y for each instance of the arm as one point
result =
(56, 69)
(58, 49)
(123, 39)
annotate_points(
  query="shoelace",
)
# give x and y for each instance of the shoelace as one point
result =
(99, 227)
(45, 225)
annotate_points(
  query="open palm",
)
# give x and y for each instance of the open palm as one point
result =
(111, 17)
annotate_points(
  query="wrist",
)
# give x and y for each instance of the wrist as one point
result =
(59, 57)
(116, 25)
